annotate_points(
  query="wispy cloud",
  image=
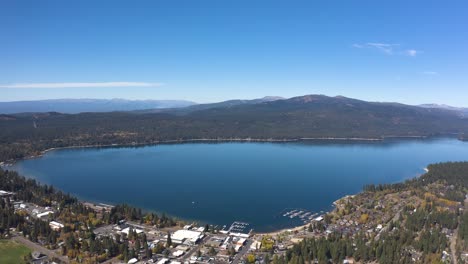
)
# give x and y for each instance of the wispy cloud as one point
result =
(387, 48)
(383, 47)
(430, 73)
(412, 52)
(80, 85)
(359, 46)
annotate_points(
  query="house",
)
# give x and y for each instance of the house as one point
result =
(237, 248)
(241, 241)
(225, 244)
(38, 258)
(44, 214)
(133, 261)
(256, 245)
(178, 253)
(163, 261)
(5, 193)
(56, 226)
(127, 230)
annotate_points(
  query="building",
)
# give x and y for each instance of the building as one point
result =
(178, 253)
(133, 261)
(186, 236)
(226, 243)
(215, 242)
(56, 226)
(163, 261)
(5, 193)
(44, 214)
(39, 258)
(239, 235)
(256, 245)
(318, 219)
(237, 248)
(241, 241)
(127, 230)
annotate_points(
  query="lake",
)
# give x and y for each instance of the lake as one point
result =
(219, 183)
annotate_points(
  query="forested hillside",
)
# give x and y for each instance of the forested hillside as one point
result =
(312, 116)
(423, 220)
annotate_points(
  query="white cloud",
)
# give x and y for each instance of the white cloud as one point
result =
(80, 85)
(388, 48)
(412, 52)
(384, 47)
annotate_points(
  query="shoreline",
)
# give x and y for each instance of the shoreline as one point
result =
(214, 140)
(180, 141)
(301, 227)
(271, 233)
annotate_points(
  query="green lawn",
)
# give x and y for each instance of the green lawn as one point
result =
(12, 252)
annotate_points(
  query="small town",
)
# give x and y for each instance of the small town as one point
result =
(372, 213)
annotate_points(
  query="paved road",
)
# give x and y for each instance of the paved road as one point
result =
(239, 256)
(453, 246)
(39, 248)
(196, 248)
(453, 240)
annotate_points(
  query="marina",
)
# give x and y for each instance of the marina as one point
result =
(303, 215)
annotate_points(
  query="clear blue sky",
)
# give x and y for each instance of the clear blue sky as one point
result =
(407, 51)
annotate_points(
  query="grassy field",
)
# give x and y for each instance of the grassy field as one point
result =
(12, 252)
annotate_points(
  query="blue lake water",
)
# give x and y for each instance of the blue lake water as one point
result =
(220, 183)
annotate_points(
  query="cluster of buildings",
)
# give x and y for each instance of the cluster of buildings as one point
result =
(35, 211)
(190, 244)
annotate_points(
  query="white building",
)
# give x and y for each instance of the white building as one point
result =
(163, 261)
(55, 225)
(237, 248)
(256, 245)
(239, 235)
(5, 193)
(181, 236)
(241, 241)
(178, 253)
(127, 230)
(44, 214)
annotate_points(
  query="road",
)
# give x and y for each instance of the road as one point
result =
(51, 254)
(394, 219)
(239, 256)
(453, 240)
(453, 246)
(195, 249)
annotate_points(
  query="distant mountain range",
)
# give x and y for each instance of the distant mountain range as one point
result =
(461, 110)
(73, 106)
(178, 107)
(225, 104)
(271, 118)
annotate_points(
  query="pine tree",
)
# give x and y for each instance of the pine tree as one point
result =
(169, 240)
